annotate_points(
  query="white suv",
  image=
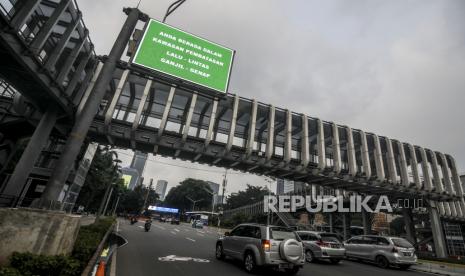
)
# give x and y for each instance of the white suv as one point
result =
(260, 245)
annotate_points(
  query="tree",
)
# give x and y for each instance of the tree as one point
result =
(102, 172)
(397, 226)
(195, 189)
(250, 195)
(132, 201)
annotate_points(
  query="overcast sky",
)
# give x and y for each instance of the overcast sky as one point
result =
(395, 68)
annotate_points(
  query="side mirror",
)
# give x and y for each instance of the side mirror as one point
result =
(226, 234)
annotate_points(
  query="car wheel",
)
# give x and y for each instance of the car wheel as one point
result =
(292, 271)
(249, 262)
(334, 261)
(309, 257)
(404, 267)
(382, 262)
(219, 251)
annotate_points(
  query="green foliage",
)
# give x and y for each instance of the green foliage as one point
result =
(102, 173)
(192, 188)
(133, 201)
(397, 226)
(33, 264)
(88, 239)
(250, 195)
(9, 271)
(237, 219)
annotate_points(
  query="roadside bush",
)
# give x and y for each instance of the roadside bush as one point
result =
(88, 239)
(33, 264)
(9, 271)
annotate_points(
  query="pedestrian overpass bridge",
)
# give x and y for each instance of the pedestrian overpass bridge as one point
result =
(47, 55)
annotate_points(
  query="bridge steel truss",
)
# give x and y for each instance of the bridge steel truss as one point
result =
(145, 113)
(47, 43)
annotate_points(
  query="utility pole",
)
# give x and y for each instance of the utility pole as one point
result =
(225, 182)
(147, 195)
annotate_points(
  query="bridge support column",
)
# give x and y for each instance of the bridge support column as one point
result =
(331, 223)
(439, 240)
(31, 153)
(346, 225)
(409, 225)
(84, 120)
(366, 221)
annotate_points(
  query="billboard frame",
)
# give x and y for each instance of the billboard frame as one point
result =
(179, 81)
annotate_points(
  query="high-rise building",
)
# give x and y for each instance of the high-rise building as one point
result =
(215, 187)
(160, 189)
(131, 177)
(138, 162)
(284, 186)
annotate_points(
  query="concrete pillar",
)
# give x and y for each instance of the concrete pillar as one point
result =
(346, 225)
(83, 122)
(409, 225)
(31, 153)
(366, 221)
(331, 224)
(436, 227)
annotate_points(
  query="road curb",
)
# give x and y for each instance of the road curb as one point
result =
(113, 263)
(434, 273)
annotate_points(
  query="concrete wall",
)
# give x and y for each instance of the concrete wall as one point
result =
(36, 231)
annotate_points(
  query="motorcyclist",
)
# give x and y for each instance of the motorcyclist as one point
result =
(147, 225)
(133, 219)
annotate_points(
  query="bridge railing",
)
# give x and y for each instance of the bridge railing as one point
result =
(56, 38)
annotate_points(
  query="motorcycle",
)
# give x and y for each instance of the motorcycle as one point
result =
(133, 220)
(147, 225)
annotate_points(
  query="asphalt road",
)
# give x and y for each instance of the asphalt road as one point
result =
(194, 251)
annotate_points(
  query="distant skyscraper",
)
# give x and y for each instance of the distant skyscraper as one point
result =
(216, 190)
(284, 186)
(288, 186)
(160, 189)
(131, 177)
(138, 162)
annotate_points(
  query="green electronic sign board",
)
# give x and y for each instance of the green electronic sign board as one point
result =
(174, 52)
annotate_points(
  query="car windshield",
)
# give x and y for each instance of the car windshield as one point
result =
(281, 233)
(329, 238)
(402, 243)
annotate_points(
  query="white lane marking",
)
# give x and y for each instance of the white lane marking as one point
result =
(161, 227)
(173, 258)
(117, 226)
(141, 226)
(177, 230)
(172, 232)
(192, 240)
(200, 234)
(199, 231)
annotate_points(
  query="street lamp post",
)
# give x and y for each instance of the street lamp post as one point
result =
(193, 202)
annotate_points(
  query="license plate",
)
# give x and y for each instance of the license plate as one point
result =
(335, 246)
(407, 254)
(286, 266)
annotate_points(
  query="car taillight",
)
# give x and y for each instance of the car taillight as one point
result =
(322, 244)
(266, 245)
(394, 250)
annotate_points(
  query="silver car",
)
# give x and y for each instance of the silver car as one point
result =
(260, 245)
(384, 251)
(322, 245)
